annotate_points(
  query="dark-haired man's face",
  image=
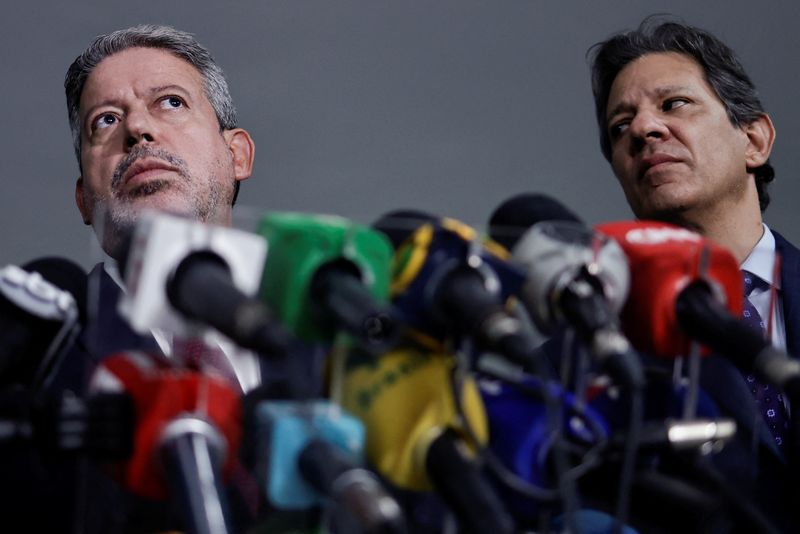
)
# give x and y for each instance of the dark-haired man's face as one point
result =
(151, 140)
(673, 147)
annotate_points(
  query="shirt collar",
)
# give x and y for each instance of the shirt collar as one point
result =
(761, 260)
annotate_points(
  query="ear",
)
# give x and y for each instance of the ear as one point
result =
(243, 150)
(760, 137)
(85, 210)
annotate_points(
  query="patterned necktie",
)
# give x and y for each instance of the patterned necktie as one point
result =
(768, 398)
(205, 358)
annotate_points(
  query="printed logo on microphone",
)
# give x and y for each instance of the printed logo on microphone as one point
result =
(658, 236)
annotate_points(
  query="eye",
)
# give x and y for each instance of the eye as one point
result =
(104, 121)
(172, 102)
(673, 103)
(618, 128)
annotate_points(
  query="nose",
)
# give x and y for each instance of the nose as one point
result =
(648, 127)
(140, 128)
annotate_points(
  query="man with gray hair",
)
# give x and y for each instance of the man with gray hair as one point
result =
(153, 127)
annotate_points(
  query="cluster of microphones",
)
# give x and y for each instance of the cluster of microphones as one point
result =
(438, 389)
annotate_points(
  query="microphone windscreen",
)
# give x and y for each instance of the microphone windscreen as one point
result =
(399, 224)
(65, 275)
(664, 259)
(514, 216)
(405, 400)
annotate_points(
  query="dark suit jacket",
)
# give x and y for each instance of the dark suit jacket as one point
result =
(751, 464)
(78, 492)
(52, 492)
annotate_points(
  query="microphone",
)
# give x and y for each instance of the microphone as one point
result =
(423, 431)
(665, 261)
(523, 436)
(308, 453)
(41, 312)
(512, 218)
(574, 276)
(324, 274)
(179, 272)
(446, 283)
(187, 431)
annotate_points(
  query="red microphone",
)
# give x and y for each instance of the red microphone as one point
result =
(187, 424)
(664, 259)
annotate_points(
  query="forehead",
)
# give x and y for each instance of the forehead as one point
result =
(651, 74)
(135, 71)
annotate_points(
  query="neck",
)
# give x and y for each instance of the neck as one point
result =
(736, 228)
(733, 221)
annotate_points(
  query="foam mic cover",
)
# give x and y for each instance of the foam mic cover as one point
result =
(402, 398)
(416, 424)
(446, 283)
(558, 253)
(308, 452)
(521, 436)
(512, 218)
(664, 259)
(325, 274)
(163, 395)
(181, 274)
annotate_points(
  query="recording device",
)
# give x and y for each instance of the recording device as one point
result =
(40, 310)
(447, 284)
(523, 437)
(182, 275)
(665, 260)
(514, 216)
(308, 454)
(574, 276)
(579, 278)
(684, 288)
(425, 424)
(324, 274)
(186, 435)
(100, 426)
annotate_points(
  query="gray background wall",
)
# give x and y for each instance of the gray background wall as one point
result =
(362, 106)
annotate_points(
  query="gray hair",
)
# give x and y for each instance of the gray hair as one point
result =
(179, 43)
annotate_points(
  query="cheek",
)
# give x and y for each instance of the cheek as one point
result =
(621, 167)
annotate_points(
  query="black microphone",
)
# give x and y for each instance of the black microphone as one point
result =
(41, 307)
(574, 276)
(704, 318)
(512, 218)
(352, 487)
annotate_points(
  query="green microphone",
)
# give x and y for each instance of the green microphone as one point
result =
(326, 274)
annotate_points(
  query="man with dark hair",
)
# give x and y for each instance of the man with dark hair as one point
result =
(689, 141)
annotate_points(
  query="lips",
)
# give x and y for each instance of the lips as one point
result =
(144, 170)
(656, 161)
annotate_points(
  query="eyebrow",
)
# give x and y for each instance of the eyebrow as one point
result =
(659, 92)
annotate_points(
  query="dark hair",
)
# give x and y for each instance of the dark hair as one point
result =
(722, 69)
(177, 42)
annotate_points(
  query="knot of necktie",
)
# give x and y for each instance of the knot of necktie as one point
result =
(751, 282)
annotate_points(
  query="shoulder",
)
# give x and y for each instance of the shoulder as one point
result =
(783, 245)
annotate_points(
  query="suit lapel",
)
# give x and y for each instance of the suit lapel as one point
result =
(110, 332)
(790, 291)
